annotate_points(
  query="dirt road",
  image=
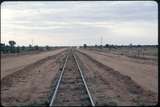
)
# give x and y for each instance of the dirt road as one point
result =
(13, 64)
(144, 74)
(109, 87)
(33, 84)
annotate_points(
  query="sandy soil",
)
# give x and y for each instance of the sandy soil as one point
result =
(143, 60)
(144, 74)
(109, 87)
(72, 91)
(13, 64)
(149, 53)
(112, 79)
(32, 85)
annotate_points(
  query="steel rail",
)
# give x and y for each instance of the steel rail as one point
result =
(88, 92)
(57, 86)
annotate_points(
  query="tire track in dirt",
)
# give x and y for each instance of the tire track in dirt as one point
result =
(109, 87)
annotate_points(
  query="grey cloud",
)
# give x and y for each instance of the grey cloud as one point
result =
(89, 11)
(78, 20)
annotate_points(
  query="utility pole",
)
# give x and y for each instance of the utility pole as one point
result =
(101, 44)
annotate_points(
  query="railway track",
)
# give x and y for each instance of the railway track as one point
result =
(71, 88)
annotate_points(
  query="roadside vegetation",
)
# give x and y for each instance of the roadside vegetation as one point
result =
(139, 51)
(11, 48)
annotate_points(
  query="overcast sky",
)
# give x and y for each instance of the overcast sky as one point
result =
(76, 23)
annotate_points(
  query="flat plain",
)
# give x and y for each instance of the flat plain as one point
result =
(120, 76)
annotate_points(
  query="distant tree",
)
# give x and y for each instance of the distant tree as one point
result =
(107, 45)
(138, 45)
(2, 44)
(85, 45)
(17, 49)
(7, 49)
(100, 46)
(30, 47)
(12, 43)
(47, 47)
(130, 45)
(36, 47)
(2, 47)
(23, 48)
(95, 45)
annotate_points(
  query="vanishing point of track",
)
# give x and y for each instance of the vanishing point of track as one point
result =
(71, 88)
